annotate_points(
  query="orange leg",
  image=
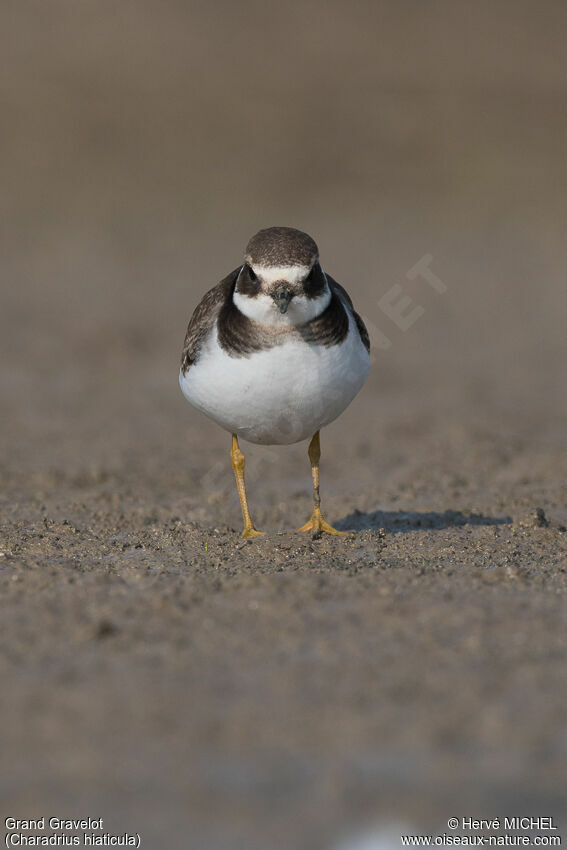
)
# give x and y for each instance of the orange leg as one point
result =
(237, 459)
(317, 524)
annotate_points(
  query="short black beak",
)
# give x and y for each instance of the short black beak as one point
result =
(282, 296)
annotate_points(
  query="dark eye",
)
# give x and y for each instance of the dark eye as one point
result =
(251, 274)
(314, 283)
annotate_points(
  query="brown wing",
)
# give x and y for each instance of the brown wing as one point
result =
(345, 298)
(204, 318)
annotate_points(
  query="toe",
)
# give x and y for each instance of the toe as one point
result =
(320, 526)
(250, 533)
(328, 529)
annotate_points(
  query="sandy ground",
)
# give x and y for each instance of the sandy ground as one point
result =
(157, 670)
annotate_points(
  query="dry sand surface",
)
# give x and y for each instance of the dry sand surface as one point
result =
(157, 670)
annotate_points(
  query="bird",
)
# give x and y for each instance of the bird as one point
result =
(275, 352)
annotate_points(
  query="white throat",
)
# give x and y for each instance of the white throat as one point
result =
(262, 307)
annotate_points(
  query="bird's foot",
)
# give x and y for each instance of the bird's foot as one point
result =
(318, 525)
(249, 532)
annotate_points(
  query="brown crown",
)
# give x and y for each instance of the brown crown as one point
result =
(281, 246)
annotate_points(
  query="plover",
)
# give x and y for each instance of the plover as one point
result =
(275, 352)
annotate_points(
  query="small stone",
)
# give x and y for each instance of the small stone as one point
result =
(105, 628)
(535, 518)
(540, 519)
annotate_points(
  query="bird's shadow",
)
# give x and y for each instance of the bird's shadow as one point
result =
(404, 522)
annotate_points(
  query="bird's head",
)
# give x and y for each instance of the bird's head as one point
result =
(281, 281)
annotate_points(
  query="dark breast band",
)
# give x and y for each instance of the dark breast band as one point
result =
(239, 335)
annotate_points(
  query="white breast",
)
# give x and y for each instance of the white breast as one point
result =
(279, 396)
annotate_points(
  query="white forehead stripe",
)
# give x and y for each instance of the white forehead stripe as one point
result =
(293, 274)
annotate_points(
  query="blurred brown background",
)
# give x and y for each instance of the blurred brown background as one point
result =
(142, 144)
